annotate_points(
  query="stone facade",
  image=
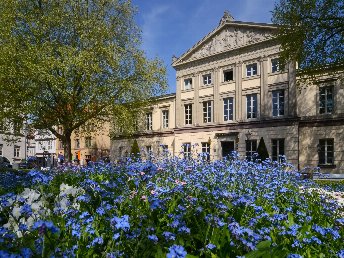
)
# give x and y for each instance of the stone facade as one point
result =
(231, 91)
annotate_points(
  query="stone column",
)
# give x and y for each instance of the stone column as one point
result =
(238, 91)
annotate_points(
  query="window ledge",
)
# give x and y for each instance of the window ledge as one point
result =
(187, 90)
(326, 166)
(207, 85)
(227, 82)
(247, 78)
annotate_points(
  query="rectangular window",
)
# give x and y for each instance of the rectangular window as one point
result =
(275, 65)
(188, 114)
(188, 84)
(149, 121)
(88, 142)
(77, 143)
(206, 151)
(251, 69)
(1, 146)
(207, 111)
(187, 150)
(165, 119)
(148, 149)
(228, 109)
(326, 100)
(50, 144)
(228, 75)
(60, 144)
(207, 79)
(251, 110)
(277, 149)
(251, 149)
(326, 151)
(278, 103)
(16, 151)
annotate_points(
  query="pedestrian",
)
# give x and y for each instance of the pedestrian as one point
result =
(60, 158)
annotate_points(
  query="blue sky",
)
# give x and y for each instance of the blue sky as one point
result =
(171, 27)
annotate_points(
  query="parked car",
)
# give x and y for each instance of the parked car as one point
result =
(5, 163)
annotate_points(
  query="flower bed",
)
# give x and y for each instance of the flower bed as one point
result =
(169, 207)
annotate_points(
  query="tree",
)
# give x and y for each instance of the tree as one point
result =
(70, 63)
(262, 151)
(311, 33)
(135, 150)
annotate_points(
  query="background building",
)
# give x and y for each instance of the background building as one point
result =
(231, 91)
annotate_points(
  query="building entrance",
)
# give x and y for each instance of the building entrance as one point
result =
(227, 148)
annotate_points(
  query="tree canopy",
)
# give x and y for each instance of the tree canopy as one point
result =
(70, 62)
(311, 32)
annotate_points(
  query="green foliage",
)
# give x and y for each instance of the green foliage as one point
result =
(311, 32)
(135, 150)
(262, 150)
(69, 63)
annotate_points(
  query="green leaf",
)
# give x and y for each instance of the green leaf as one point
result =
(264, 245)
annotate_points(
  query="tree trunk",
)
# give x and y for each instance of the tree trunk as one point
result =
(67, 145)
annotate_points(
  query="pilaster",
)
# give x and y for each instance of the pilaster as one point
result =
(179, 111)
(196, 106)
(216, 102)
(292, 89)
(264, 109)
(238, 92)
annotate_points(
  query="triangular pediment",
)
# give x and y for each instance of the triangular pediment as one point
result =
(228, 36)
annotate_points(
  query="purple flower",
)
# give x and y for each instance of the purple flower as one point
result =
(169, 236)
(121, 223)
(42, 226)
(176, 251)
(153, 238)
(210, 246)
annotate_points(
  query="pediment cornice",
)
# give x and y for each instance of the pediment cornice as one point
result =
(228, 36)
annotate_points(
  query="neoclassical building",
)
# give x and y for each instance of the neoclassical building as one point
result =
(231, 91)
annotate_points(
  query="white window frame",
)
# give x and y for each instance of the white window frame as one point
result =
(188, 114)
(325, 92)
(187, 150)
(165, 115)
(149, 121)
(206, 150)
(207, 111)
(278, 102)
(206, 79)
(251, 104)
(50, 144)
(251, 151)
(276, 148)
(275, 66)
(328, 145)
(1, 149)
(188, 84)
(228, 109)
(16, 153)
(250, 71)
